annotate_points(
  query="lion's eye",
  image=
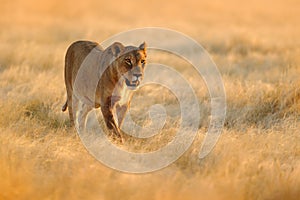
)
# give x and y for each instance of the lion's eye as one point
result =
(128, 61)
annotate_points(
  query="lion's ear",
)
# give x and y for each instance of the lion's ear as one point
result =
(117, 48)
(143, 46)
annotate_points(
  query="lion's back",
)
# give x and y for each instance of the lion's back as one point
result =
(75, 56)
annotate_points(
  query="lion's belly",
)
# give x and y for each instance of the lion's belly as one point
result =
(85, 90)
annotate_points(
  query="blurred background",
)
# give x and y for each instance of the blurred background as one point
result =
(49, 21)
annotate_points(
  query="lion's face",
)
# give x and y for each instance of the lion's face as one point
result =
(133, 65)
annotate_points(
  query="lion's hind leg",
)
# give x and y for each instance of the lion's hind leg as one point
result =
(82, 111)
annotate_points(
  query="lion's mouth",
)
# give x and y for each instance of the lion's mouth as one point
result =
(133, 84)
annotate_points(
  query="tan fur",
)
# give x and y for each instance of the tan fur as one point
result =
(95, 78)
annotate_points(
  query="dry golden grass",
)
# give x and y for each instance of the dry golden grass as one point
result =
(254, 43)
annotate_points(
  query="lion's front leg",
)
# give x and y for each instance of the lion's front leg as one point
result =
(107, 112)
(121, 112)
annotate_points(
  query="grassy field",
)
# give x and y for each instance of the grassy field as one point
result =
(256, 46)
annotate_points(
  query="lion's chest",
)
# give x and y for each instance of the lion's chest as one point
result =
(122, 92)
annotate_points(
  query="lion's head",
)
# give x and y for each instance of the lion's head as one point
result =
(131, 62)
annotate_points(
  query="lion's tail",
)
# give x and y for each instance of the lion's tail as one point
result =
(64, 107)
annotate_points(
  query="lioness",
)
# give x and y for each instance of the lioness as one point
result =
(104, 78)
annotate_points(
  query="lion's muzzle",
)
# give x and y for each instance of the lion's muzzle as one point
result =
(135, 82)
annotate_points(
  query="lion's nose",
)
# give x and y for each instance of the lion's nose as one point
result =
(137, 76)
